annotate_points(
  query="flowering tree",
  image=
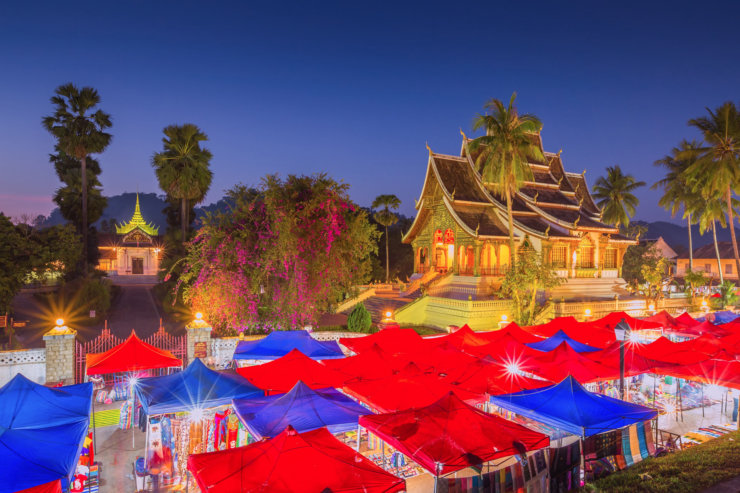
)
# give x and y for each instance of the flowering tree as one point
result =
(282, 255)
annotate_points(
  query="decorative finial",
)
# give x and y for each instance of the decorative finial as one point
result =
(560, 180)
(465, 137)
(584, 173)
(452, 195)
(429, 149)
(580, 202)
(560, 152)
(536, 194)
(477, 228)
(416, 204)
(547, 231)
(575, 223)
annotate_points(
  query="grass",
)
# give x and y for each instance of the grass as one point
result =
(691, 470)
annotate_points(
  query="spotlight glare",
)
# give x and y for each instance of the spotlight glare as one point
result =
(60, 322)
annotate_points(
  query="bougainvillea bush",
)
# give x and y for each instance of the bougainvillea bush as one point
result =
(282, 256)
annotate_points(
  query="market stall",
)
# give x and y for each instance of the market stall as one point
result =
(564, 361)
(559, 338)
(281, 375)
(389, 340)
(292, 462)
(51, 487)
(42, 432)
(303, 408)
(449, 435)
(189, 412)
(279, 343)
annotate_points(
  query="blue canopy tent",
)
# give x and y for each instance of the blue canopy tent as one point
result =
(302, 408)
(569, 407)
(558, 338)
(198, 387)
(723, 317)
(280, 343)
(41, 432)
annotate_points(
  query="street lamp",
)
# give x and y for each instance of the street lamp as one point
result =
(622, 331)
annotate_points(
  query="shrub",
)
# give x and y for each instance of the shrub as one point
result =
(359, 319)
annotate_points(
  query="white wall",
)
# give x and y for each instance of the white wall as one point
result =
(29, 362)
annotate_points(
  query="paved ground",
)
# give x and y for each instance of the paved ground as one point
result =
(730, 486)
(134, 309)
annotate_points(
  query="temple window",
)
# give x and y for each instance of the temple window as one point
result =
(559, 256)
(610, 258)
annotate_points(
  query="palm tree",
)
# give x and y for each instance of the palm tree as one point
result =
(505, 152)
(718, 167)
(386, 218)
(712, 210)
(183, 167)
(677, 191)
(80, 131)
(615, 196)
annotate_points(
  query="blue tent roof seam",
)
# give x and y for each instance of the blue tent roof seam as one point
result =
(302, 408)
(197, 387)
(570, 407)
(41, 432)
(281, 342)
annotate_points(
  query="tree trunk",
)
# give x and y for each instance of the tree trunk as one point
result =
(183, 224)
(731, 221)
(716, 250)
(691, 246)
(83, 169)
(512, 250)
(387, 260)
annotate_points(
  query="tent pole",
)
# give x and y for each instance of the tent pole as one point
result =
(359, 433)
(93, 424)
(702, 400)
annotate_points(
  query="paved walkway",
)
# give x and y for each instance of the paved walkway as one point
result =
(731, 486)
(134, 309)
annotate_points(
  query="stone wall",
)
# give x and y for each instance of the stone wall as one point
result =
(31, 363)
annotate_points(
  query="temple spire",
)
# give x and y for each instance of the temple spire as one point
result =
(137, 221)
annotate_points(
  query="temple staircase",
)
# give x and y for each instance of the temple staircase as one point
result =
(582, 289)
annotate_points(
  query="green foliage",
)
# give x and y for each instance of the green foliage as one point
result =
(282, 254)
(727, 291)
(504, 153)
(80, 130)
(694, 280)
(635, 258)
(386, 218)
(615, 196)
(527, 277)
(183, 168)
(359, 319)
(400, 255)
(15, 262)
(654, 275)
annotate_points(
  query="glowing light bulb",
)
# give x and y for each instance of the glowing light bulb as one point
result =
(512, 368)
(651, 307)
(587, 312)
(132, 382)
(388, 314)
(504, 318)
(703, 302)
(634, 337)
(199, 316)
(196, 414)
(60, 322)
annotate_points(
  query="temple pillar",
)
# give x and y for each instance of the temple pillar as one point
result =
(198, 339)
(476, 259)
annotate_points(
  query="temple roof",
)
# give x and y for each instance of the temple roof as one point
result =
(137, 221)
(554, 204)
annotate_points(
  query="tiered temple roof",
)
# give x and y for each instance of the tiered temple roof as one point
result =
(556, 204)
(137, 221)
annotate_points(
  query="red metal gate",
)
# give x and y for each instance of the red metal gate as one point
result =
(177, 345)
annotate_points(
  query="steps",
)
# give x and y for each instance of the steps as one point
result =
(583, 289)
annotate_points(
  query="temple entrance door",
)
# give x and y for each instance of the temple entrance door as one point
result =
(137, 265)
(440, 259)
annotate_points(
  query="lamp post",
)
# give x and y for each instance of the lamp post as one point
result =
(622, 332)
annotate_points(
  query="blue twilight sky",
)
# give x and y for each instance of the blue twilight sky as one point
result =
(356, 89)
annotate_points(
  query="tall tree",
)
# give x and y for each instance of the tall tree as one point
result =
(505, 151)
(717, 168)
(386, 218)
(615, 196)
(183, 168)
(677, 191)
(80, 131)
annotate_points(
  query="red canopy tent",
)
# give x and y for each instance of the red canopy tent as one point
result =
(463, 339)
(493, 378)
(131, 355)
(634, 363)
(390, 340)
(686, 319)
(583, 332)
(507, 350)
(449, 435)
(610, 321)
(281, 375)
(512, 330)
(372, 363)
(562, 361)
(667, 351)
(308, 462)
(51, 487)
(699, 329)
(406, 390)
(712, 371)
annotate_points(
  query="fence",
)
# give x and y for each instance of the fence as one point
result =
(177, 345)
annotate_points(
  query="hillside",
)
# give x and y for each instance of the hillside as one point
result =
(678, 236)
(121, 207)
